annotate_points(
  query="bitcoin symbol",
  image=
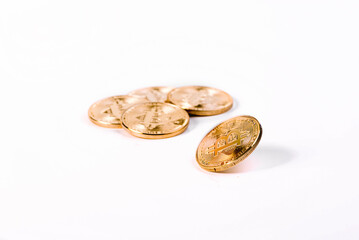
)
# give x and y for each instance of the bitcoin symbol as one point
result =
(154, 118)
(198, 99)
(233, 138)
(150, 119)
(157, 117)
(156, 96)
(115, 109)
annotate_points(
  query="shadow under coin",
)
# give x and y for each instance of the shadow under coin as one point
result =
(263, 158)
(193, 123)
(234, 107)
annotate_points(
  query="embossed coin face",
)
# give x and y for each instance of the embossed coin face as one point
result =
(229, 143)
(199, 100)
(154, 120)
(152, 94)
(107, 112)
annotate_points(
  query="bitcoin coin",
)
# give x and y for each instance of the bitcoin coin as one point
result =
(107, 112)
(152, 94)
(198, 100)
(229, 143)
(155, 120)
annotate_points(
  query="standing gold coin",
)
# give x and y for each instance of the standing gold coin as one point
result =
(107, 112)
(155, 120)
(152, 94)
(229, 143)
(199, 100)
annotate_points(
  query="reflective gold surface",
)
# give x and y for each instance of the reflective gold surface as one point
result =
(152, 94)
(229, 143)
(199, 100)
(154, 120)
(107, 112)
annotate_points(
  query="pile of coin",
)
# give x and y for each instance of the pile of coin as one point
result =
(162, 112)
(158, 112)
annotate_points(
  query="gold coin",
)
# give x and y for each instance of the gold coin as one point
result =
(152, 94)
(155, 120)
(107, 112)
(229, 143)
(204, 101)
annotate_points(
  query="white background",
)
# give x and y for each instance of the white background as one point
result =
(294, 65)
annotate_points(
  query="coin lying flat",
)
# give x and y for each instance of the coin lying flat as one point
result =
(198, 100)
(107, 112)
(152, 94)
(229, 143)
(155, 120)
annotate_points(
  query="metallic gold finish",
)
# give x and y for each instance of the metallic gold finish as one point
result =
(204, 101)
(155, 120)
(229, 143)
(107, 112)
(152, 94)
